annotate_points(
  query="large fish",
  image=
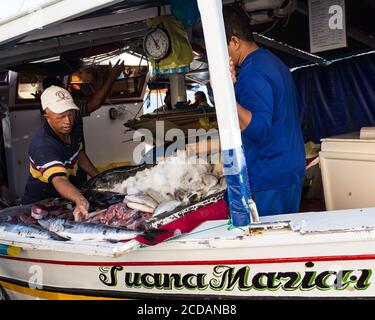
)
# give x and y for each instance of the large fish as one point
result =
(107, 179)
(26, 231)
(157, 196)
(139, 207)
(142, 199)
(166, 206)
(77, 231)
(102, 199)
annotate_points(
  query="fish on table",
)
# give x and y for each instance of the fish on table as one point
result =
(140, 207)
(78, 231)
(102, 199)
(166, 206)
(26, 231)
(141, 198)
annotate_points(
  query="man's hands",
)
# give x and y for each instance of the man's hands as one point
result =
(101, 95)
(115, 71)
(37, 94)
(81, 210)
(70, 192)
(232, 70)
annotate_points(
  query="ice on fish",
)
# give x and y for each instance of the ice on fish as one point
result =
(209, 181)
(169, 176)
(182, 178)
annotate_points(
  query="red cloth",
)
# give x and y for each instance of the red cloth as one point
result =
(216, 211)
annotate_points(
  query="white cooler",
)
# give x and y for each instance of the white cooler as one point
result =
(347, 163)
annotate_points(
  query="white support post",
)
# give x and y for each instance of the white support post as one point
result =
(221, 82)
(226, 112)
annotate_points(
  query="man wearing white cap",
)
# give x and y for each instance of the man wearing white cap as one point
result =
(55, 153)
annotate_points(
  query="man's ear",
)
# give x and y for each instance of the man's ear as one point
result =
(236, 42)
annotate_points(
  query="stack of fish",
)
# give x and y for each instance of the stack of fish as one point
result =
(172, 183)
(119, 211)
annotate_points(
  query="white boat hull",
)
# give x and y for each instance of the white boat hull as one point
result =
(276, 263)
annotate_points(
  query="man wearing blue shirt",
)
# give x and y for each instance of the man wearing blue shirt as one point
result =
(268, 116)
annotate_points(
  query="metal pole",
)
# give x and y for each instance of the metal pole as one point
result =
(178, 87)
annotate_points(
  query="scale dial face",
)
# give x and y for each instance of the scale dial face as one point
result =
(157, 44)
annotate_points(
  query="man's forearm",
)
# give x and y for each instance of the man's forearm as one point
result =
(85, 163)
(244, 117)
(100, 96)
(98, 99)
(70, 192)
(66, 189)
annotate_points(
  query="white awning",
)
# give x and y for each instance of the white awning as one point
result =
(46, 13)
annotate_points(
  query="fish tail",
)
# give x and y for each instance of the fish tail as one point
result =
(151, 234)
(57, 237)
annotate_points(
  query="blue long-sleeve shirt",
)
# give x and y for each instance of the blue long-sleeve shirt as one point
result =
(273, 142)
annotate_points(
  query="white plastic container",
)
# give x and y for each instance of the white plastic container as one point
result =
(348, 171)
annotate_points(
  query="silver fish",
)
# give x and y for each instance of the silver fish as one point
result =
(77, 231)
(27, 231)
(142, 199)
(139, 207)
(15, 211)
(166, 206)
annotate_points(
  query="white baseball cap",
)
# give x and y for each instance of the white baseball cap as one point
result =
(57, 99)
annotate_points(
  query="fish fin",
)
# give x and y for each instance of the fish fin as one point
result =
(112, 240)
(57, 237)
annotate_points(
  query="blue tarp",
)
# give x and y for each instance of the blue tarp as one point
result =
(337, 99)
(238, 187)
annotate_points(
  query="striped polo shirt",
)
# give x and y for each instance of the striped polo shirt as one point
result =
(50, 157)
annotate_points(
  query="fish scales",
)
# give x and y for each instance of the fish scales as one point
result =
(87, 231)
